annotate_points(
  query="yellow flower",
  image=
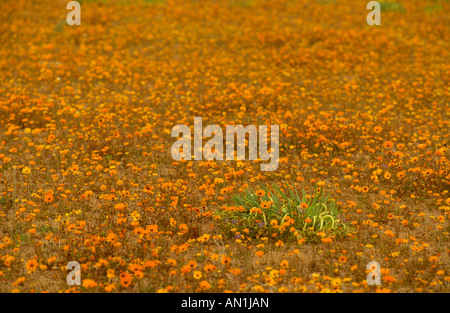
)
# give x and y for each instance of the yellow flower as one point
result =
(31, 265)
(205, 285)
(197, 274)
(110, 287)
(119, 206)
(89, 283)
(235, 271)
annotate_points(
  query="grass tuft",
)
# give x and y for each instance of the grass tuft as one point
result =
(284, 215)
(392, 7)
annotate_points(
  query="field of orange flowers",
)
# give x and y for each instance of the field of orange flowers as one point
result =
(86, 173)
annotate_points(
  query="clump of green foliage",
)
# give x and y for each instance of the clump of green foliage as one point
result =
(286, 215)
(392, 6)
